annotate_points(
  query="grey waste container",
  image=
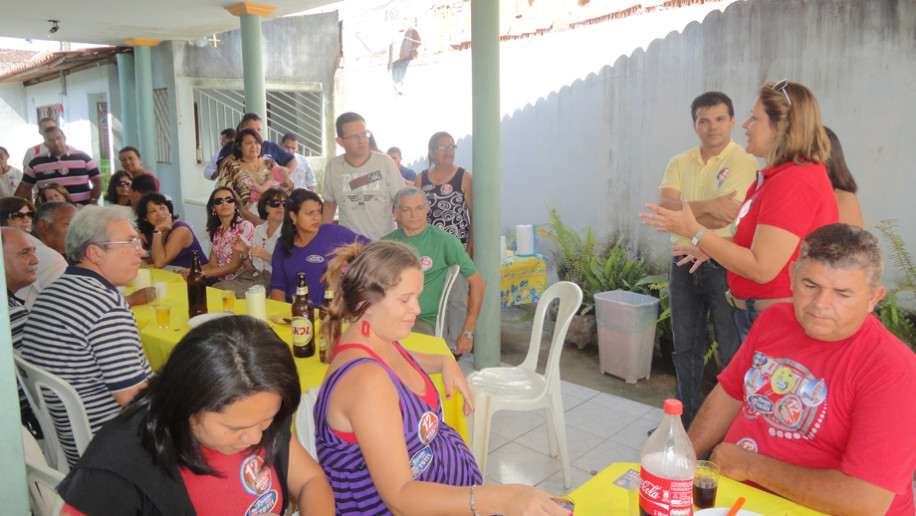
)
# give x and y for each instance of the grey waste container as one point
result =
(626, 333)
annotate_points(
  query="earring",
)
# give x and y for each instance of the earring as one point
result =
(365, 328)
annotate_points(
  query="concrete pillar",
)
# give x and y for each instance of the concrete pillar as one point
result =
(146, 116)
(13, 489)
(128, 87)
(486, 167)
(252, 64)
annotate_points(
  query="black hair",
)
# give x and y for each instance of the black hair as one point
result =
(153, 197)
(840, 176)
(346, 118)
(269, 195)
(239, 136)
(130, 148)
(228, 133)
(288, 230)
(247, 117)
(12, 204)
(111, 195)
(711, 99)
(213, 366)
(213, 222)
(289, 136)
(143, 184)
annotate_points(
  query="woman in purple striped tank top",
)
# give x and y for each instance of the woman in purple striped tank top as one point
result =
(379, 433)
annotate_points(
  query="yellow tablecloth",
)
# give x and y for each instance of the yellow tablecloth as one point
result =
(158, 343)
(522, 279)
(606, 494)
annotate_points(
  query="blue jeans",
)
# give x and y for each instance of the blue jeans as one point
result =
(693, 297)
(745, 318)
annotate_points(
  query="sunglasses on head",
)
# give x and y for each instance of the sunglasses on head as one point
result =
(123, 183)
(18, 215)
(220, 200)
(781, 86)
(276, 203)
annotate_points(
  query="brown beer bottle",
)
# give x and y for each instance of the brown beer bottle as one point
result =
(322, 312)
(197, 287)
(303, 321)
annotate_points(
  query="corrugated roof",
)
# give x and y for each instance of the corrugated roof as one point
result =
(10, 57)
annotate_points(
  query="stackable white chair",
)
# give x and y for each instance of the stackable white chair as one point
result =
(522, 388)
(305, 421)
(450, 278)
(41, 387)
(41, 479)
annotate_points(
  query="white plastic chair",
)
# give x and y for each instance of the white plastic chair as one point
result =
(450, 276)
(41, 479)
(522, 388)
(40, 387)
(305, 421)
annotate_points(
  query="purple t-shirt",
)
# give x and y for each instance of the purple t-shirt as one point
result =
(311, 259)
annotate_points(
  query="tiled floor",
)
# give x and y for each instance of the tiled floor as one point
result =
(601, 429)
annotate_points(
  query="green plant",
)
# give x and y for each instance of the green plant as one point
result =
(616, 272)
(898, 319)
(573, 254)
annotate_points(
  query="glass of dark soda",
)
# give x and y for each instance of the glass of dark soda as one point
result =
(705, 484)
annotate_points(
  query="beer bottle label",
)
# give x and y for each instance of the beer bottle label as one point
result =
(664, 497)
(301, 291)
(302, 331)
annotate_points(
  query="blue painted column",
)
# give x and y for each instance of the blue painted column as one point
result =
(128, 87)
(146, 116)
(252, 63)
(486, 166)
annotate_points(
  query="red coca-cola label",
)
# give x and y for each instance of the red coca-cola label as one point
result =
(664, 497)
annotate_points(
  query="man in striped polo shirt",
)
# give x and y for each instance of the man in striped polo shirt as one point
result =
(80, 327)
(20, 264)
(73, 169)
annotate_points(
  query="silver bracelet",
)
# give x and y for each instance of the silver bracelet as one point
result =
(473, 508)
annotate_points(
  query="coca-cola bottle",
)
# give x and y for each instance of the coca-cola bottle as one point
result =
(197, 287)
(668, 465)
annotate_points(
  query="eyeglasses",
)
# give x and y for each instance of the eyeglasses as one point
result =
(220, 200)
(18, 215)
(134, 241)
(123, 183)
(276, 203)
(446, 147)
(357, 136)
(781, 86)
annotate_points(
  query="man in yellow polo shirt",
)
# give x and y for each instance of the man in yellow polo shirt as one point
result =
(713, 177)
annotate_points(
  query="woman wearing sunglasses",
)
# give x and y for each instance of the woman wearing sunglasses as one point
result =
(16, 212)
(791, 198)
(118, 189)
(306, 245)
(224, 224)
(256, 258)
(169, 240)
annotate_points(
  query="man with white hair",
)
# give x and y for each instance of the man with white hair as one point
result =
(80, 327)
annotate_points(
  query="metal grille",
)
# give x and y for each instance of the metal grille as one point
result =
(163, 139)
(297, 112)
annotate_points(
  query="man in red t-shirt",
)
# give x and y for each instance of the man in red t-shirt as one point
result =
(815, 405)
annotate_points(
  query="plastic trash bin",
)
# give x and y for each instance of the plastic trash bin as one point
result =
(626, 333)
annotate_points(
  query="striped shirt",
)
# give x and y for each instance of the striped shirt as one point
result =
(72, 171)
(18, 314)
(81, 329)
(436, 452)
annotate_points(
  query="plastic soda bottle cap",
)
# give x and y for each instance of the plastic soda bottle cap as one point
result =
(673, 407)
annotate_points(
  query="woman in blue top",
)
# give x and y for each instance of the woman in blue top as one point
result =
(305, 245)
(169, 240)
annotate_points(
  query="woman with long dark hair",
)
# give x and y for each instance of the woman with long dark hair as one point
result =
(225, 225)
(209, 435)
(844, 186)
(791, 198)
(169, 240)
(119, 188)
(306, 245)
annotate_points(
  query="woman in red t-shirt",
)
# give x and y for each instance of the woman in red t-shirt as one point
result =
(210, 435)
(791, 198)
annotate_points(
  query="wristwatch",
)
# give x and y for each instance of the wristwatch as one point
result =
(469, 334)
(696, 238)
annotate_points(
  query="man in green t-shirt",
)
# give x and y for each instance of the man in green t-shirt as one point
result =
(438, 251)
